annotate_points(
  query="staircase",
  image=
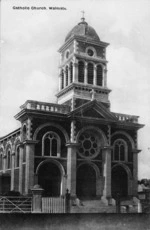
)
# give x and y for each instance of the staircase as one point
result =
(92, 206)
(98, 206)
(130, 205)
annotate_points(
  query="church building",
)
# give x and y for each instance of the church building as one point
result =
(78, 143)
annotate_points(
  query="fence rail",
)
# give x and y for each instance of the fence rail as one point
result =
(13, 204)
(53, 205)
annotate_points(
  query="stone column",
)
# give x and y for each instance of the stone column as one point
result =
(107, 172)
(12, 170)
(29, 177)
(85, 74)
(135, 171)
(95, 77)
(71, 169)
(71, 162)
(4, 163)
(21, 146)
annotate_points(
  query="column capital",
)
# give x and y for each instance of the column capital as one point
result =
(13, 153)
(75, 64)
(107, 147)
(4, 156)
(136, 151)
(30, 142)
(72, 144)
(85, 65)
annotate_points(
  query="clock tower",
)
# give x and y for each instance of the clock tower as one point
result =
(83, 68)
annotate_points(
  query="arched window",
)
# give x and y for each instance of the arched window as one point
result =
(120, 150)
(71, 72)
(8, 159)
(1, 159)
(81, 71)
(90, 73)
(51, 144)
(66, 75)
(17, 156)
(99, 75)
(62, 79)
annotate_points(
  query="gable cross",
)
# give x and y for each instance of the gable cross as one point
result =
(93, 95)
(83, 19)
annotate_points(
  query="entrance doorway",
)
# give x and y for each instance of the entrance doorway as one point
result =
(49, 178)
(86, 181)
(119, 182)
(5, 182)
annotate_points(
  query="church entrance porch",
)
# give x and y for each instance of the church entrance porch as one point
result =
(86, 182)
(49, 178)
(119, 182)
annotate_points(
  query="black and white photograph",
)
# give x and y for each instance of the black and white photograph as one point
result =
(74, 114)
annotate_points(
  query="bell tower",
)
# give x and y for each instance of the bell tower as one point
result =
(83, 67)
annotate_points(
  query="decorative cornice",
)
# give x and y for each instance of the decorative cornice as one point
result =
(10, 134)
(83, 86)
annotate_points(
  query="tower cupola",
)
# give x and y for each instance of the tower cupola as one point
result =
(83, 67)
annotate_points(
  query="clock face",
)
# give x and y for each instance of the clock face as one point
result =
(90, 52)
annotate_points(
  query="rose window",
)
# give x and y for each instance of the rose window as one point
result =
(89, 145)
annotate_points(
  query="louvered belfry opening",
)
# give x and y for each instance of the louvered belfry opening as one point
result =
(90, 73)
(62, 79)
(81, 71)
(99, 75)
(66, 75)
(71, 72)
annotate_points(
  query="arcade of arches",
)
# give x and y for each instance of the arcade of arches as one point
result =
(88, 183)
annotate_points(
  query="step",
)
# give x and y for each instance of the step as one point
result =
(92, 206)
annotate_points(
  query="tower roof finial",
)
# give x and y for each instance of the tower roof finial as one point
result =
(82, 19)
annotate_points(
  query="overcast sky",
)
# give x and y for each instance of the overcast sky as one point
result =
(29, 58)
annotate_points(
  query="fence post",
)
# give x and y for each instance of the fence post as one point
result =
(139, 207)
(37, 199)
(118, 207)
(67, 201)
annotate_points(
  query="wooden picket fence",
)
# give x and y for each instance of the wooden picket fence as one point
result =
(53, 205)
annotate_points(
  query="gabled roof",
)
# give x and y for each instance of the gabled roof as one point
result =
(93, 109)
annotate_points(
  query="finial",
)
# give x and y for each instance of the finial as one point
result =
(82, 19)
